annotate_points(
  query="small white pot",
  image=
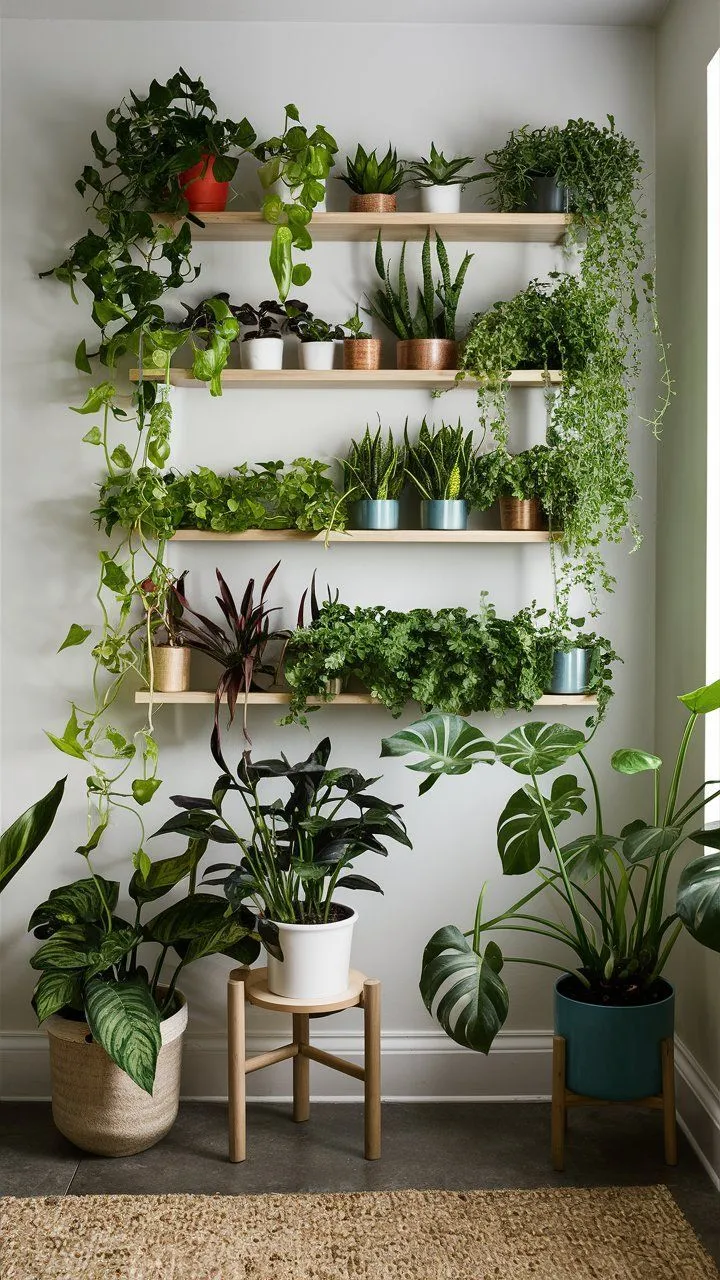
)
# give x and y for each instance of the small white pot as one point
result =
(262, 353)
(316, 963)
(441, 199)
(317, 355)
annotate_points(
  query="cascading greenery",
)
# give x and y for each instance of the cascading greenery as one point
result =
(391, 303)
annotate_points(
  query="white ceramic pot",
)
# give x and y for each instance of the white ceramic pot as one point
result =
(262, 353)
(441, 199)
(317, 355)
(316, 960)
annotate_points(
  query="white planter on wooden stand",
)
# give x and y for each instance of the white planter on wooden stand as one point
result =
(316, 959)
(262, 353)
(443, 198)
(317, 355)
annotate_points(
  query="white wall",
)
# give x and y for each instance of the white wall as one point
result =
(464, 88)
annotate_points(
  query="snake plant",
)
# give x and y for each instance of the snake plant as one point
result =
(440, 464)
(375, 468)
(391, 303)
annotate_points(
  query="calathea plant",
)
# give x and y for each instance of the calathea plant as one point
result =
(440, 462)
(391, 303)
(617, 918)
(374, 467)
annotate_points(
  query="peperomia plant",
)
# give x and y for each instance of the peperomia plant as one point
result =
(616, 916)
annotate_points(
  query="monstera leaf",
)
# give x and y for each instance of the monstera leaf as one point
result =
(522, 822)
(474, 1003)
(124, 1019)
(587, 855)
(537, 747)
(698, 900)
(446, 744)
(641, 841)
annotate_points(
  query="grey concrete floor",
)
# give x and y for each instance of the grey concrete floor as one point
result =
(455, 1146)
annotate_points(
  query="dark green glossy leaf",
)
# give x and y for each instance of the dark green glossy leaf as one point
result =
(522, 822)
(698, 900)
(77, 903)
(474, 1003)
(56, 991)
(160, 877)
(587, 855)
(446, 745)
(649, 842)
(28, 831)
(709, 835)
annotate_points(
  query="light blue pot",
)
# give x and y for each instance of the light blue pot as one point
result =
(571, 671)
(448, 513)
(376, 513)
(613, 1052)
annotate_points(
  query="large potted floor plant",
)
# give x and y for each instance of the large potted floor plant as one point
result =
(441, 181)
(426, 336)
(619, 917)
(374, 474)
(110, 1003)
(373, 183)
(295, 853)
(440, 467)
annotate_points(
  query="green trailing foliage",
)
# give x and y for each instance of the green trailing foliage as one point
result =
(441, 462)
(366, 175)
(374, 468)
(391, 303)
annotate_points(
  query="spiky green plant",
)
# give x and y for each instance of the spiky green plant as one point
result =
(366, 175)
(391, 304)
(375, 467)
(437, 171)
(440, 463)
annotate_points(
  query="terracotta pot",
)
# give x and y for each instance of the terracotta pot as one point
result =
(96, 1105)
(427, 353)
(521, 513)
(171, 668)
(374, 203)
(201, 189)
(361, 353)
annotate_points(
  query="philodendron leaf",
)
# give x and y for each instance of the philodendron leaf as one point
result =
(445, 744)
(587, 855)
(632, 760)
(144, 789)
(703, 700)
(648, 842)
(75, 635)
(55, 991)
(708, 835)
(474, 1003)
(538, 747)
(698, 900)
(124, 1019)
(522, 822)
(160, 877)
(28, 831)
(77, 903)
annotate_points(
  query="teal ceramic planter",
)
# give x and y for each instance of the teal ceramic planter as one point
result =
(448, 513)
(613, 1052)
(571, 671)
(376, 513)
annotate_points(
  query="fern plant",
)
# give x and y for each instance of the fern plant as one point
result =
(375, 467)
(366, 175)
(441, 463)
(391, 303)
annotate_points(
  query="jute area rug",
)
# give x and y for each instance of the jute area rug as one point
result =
(616, 1233)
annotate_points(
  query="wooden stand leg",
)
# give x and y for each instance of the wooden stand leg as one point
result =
(667, 1049)
(559, 1110)
(236, 1066)
(371, 1008)
(301, 1068)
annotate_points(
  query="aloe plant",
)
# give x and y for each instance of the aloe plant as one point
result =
(366, 175)
(441, 463)
(374, 468)
(391, 303)
(437, 171)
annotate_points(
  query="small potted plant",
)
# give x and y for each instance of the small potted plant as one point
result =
(526, 172)
(374, 473)
(168, 656)
(317, 337)
(263, 343)
(114, 1016)
(360, 349)
(578, 658)
(373, 183)
(440, 465)
(426, 337)
(441, 181)
(518, 482)
(294, 858)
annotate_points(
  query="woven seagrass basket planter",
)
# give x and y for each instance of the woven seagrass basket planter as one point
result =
(96, 1105)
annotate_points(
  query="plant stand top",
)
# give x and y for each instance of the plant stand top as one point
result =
(258, 993)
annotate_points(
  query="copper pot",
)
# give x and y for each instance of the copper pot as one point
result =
(427, 353)
(521, 513)
(171, 668)
(361, 353)
(373, 203)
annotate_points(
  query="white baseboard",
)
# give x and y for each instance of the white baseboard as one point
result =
(698, 1105)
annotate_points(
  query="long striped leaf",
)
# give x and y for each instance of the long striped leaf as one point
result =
(124, 1019)
(27, 832)
(55, 991)
(446, 744)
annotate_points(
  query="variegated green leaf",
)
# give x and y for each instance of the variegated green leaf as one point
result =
(474, 1002)
(124, 1019)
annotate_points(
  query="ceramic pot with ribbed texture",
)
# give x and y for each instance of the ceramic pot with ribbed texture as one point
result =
(361, 353)
(427, 353)
(96, 1105)
(521, 514)
(171, 668)
(373, 203)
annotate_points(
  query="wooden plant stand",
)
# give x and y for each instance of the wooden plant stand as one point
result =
(563, 1099)
(250, 985)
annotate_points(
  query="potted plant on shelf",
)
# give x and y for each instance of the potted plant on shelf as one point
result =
(115, 1026)
(317, 337)
(373, 183)
(612, 1004)
(518, 481)
(526, 172)
(360, 349)
(440, 465)
(374, 473)
(168, 656)
(299, 852)
(580, 660)
(427, 337)
(263, 343)
(441, 181)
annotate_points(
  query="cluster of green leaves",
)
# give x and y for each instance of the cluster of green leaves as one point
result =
(441, 462)
(374, 468)
(272, 495)
(391, 303)
(437, 171)
(310, 328)
(612, 889)
(366, 175)
(499, 474)
(355, 325)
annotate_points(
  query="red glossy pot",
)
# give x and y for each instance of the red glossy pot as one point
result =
(201, 189)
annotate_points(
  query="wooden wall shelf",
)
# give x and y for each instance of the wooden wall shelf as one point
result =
(441, 536)
(497, 228)
(401, 379)
(204, 697)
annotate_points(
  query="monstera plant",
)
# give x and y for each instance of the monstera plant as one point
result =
(617, 921)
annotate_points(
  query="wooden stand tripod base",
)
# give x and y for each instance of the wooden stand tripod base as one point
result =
(563, 1098)
(250, 985)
